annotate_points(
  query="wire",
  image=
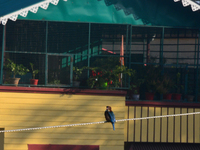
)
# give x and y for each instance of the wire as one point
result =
(100, 122)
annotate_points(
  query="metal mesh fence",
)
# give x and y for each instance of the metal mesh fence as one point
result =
(56, 48)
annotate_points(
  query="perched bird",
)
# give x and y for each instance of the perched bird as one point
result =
(110, 117)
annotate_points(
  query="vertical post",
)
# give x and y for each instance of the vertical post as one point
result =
(161, 51)
(71, 70)
(2, 139)
(195, 54)
(186, 81)
(113, 43)
(3, 50)
(122, 56)
(129, 79)
(143, 51)
(177, 50)
(148, 50)
(88, 73)
(46, 55)
(161, 56)
(126, 52)
(197, 69)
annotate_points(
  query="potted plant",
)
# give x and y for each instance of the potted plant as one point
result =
(152, 74)
(33, 81)
(190, 94)
(178, 88)
(135, 95)
(104, 78)
(77, 72)
(151, 86)
(15, 69)
(136, 82)
(164, 86)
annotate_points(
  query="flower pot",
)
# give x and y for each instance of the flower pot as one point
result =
(190, 98)
(167, 96)
(76, 83)
(149, 96)
(176, 96)
(14, 81)
(34, 81)
(135, 97)
(198, 98)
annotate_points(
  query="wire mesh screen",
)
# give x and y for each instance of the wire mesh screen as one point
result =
(25, 36)
(109, 36)
(60, 51)
(58, 70)
(64, 37)
(1, 39)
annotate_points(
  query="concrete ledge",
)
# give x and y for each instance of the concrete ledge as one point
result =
(163, 104)
(62, 91)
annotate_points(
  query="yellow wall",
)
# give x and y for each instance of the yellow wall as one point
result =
(184, 129)
(26, 110)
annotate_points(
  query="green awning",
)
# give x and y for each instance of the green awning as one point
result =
(135, 12)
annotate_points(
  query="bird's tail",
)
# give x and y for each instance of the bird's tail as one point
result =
(113, 124)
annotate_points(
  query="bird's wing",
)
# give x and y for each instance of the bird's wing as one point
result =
(112, 116)
(107, 116)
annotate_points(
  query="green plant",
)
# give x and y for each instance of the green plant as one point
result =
(34, 72)
(164, 85)
(151, 75)
(178, 87)
(136, 81)
(77, 72)
(151, 86)
(55, 82)
(16, 69)
(101, 78)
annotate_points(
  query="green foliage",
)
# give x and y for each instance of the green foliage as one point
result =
(77, 72)
(136, 81)
(164, 85)
(107, 77)
(151, 76)
(178, 87)
(34, 72)
(55, 82)
(16, 69)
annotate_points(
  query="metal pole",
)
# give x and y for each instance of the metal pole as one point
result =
(161, 56)
(3, 50)
(197, 72)
(177, 50)
(144, 51)
(161, 51)
(71, 70)
(126, 52)
(88, 74)
(46, 55)
(129, 79)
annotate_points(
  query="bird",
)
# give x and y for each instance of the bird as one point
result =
(110, 117)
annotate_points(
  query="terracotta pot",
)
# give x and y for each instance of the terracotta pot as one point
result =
(149, 96)
(14, 81)
(176, 96)
(167, 96)
(34, 81)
